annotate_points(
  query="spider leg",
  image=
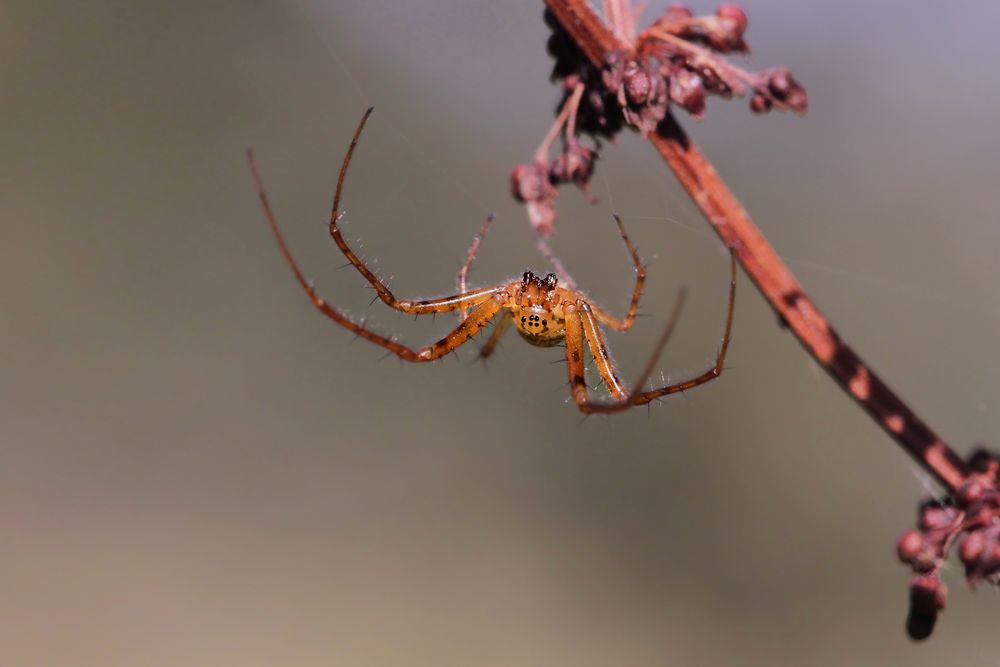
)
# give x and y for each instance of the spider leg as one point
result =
(470, 257)
(606, 318)
(577, 328)
(477, 320)
(438, 305)
(498, 331)
(582, 328)
(574, 359)
(388, 298)
(599, 350)
(720, 359)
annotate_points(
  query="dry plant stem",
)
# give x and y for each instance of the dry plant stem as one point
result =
(567, 118)
(620, 15)
(724, 212)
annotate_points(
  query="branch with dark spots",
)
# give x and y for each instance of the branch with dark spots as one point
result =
(588, 50)
(729, 219)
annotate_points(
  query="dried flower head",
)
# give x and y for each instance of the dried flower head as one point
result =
(680, 59)
(529, 184)
(970, 517)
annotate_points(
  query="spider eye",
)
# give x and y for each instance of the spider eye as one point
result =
(551, 280)
(526, 278)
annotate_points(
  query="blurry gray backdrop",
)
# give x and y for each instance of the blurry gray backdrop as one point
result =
(196, 468)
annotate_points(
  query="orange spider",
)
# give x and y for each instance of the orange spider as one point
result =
(544, 313)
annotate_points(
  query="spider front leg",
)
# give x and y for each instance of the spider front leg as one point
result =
(498, 330)
(581, 326)
(470, 257)
(469, 327)
(606, 318)
(490, 300)
(582, 329)
(476, 322)
(463, 277)
(464, 300)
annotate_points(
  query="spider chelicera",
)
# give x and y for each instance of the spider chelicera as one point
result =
(543, 312)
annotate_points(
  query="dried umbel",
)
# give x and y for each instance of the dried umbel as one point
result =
(574, 165)
(696, 45)
(970, 517)
(679, 59)
(689, 51)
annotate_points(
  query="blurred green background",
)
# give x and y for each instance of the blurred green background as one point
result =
(198, 469)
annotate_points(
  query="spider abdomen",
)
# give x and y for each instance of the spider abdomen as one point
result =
(540, 326)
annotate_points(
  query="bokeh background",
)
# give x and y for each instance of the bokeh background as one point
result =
(198, 469)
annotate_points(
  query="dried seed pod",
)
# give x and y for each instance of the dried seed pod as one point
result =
(735, 14)
(530, 182)
(573, 165)
(927, 599)
(971, 549)
(786, 91)
(760, 103)
(910, 546)
(688, 92)
(936, 517)
(638, 84)
(971, 492)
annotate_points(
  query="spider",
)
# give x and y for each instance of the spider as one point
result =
(544, 313)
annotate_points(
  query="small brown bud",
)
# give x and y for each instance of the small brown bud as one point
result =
(687, 91)
(910, 546)
(927, 593)
(724, 31)
(787, 91)
(780, 84)
(971, 548)
(574, 165)
(760, 103)
(927, 598)
(735, 14)
(983, 516)
(638, 85)
(971, 492)
(530, 182)
(936, 517)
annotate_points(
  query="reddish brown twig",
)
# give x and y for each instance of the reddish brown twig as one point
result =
(724, 212)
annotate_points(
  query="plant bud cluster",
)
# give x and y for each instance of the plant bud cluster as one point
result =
(970, 518)
(679, 60)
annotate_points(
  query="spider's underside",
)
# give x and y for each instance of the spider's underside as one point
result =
(542, 312)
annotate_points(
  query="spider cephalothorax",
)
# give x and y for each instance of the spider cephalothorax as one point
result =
(544, 313)
(538, 310)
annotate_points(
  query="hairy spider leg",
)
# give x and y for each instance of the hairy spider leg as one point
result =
(463, 276)
(439, 305)
(581, 327)
(498, 330)
(470, 257)
(606, 318)
(490, 300)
